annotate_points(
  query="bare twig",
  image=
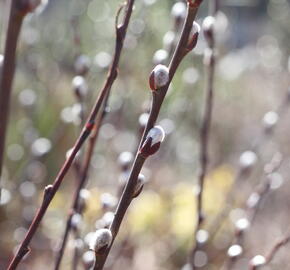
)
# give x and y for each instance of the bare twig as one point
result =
(158, 97)
(209, 62)
(255, 263)
(251, 210)
(6, 78)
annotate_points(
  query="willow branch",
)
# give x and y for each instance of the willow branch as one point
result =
(6, 77)
(158, 97)
(210, 63)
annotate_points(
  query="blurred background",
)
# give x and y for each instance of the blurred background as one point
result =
(252, 79)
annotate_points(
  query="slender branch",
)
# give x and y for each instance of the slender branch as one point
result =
(121, 30)
(8, 69)
(251, 211)
(271, 254)
(210, 63)
(76, 197)
(120, 37)
(158, 97)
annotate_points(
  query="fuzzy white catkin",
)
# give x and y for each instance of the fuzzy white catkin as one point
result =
(248, 159)
(270, 119)
(82, 64)
(157, 134)
(258, 260)
(140, 182)
(79, 84)
(125, 158)
(178, 10)
(234, 251)
(208, 23)
(160, 56)
(160, 77)
(101, 239)
(195, 29)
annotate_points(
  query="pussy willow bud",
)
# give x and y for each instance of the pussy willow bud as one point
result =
(257, 261)
(270, 120)
(101, 240)
(80, 86)
(208, 28)
(139, 185)
(168, 40)
(105, 221)
(88, 259)
(160, 57)
(193, 36)
(143, 119)
(235, 251)
(108, 201)
(82, 65)
(76, 220)
(178, 12)
(242, 224)
(125, 159)
(84, 197)
(153, 141)
(247, 160)
(159, 77)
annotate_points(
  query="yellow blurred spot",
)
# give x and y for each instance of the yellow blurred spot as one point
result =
(146, 212)
(183, 214)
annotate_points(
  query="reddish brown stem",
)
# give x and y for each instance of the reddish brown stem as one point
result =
(7, 76)
(158, 98)
(205, 132)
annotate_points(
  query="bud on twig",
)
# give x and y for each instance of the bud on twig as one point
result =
(270, 120)
(153, 141)
(159, 77)
(178, 12)
(76, 220)
(101, 240)
(235, 251)
(80, 86)
(208, 28)
(82, 65)
(125, 159)
(160, 57)
(193, 36)
(257, 261)
(108, 201)
(248, 159)
(139, 185)
(88, 259)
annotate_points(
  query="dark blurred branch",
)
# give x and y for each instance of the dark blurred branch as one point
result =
(6, 77)
(158, 97)
(271, 254)
(210, 63)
